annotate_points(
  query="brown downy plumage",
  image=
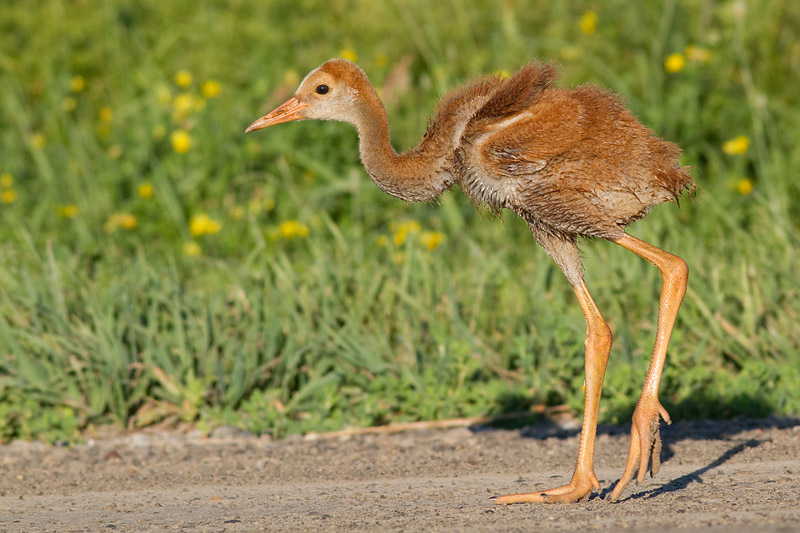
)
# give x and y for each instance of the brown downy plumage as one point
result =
(571, 162)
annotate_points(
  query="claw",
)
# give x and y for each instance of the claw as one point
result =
(569, 495)
(579, 489)
(645, 446)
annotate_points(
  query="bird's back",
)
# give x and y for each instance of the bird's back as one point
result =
(573, 160)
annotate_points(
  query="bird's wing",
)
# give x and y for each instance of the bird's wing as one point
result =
(512, 160)
(453, 114)
(517, 92)
(525, 144)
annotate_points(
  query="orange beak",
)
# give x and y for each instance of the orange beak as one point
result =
(286, 112)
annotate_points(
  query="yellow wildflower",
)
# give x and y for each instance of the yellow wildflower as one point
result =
(202, 224)
(382, 241)
(115, 151)
(736, 146)
(145, 190)
(402, 230)
(255, 206)
(697, 54)
(744, 186)
(181, 141)
(431, 239)
(69, 104)
(38, 140)
(8, 196)
(211, 88)
(292, 228)
(237, 212)
(6, 180)
(348, 53)
(192, 249)
(571, 53)
(120, 220)
(183, 78)
(589, 22)
(674, 63)
(77, 84)
(105, 114)
(127, 221)
(411, 226)
(67, 211)
(183, 104)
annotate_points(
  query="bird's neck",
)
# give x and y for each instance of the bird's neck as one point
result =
(418, 175)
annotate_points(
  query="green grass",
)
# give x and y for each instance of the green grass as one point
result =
(100, 323)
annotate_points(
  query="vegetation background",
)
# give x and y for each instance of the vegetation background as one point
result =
(156, 265)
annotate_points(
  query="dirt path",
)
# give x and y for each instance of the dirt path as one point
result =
(737, 475)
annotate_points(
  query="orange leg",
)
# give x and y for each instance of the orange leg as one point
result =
(598, 346)
(645, 436)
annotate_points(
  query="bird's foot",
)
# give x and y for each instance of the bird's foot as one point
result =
(579, 489)
(645, 444)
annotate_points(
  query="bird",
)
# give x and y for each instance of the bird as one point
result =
(572, 162)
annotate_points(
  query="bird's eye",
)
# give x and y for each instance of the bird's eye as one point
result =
(322, 89)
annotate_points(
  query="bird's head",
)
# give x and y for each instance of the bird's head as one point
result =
(329, 92)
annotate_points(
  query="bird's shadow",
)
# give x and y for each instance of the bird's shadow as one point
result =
(692, 477)
(726, 430)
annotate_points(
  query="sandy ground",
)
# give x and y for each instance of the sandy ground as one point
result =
(739, 475)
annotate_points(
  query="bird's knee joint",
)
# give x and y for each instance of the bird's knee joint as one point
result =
(680, 269)
(676, 274)
(598, 337)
